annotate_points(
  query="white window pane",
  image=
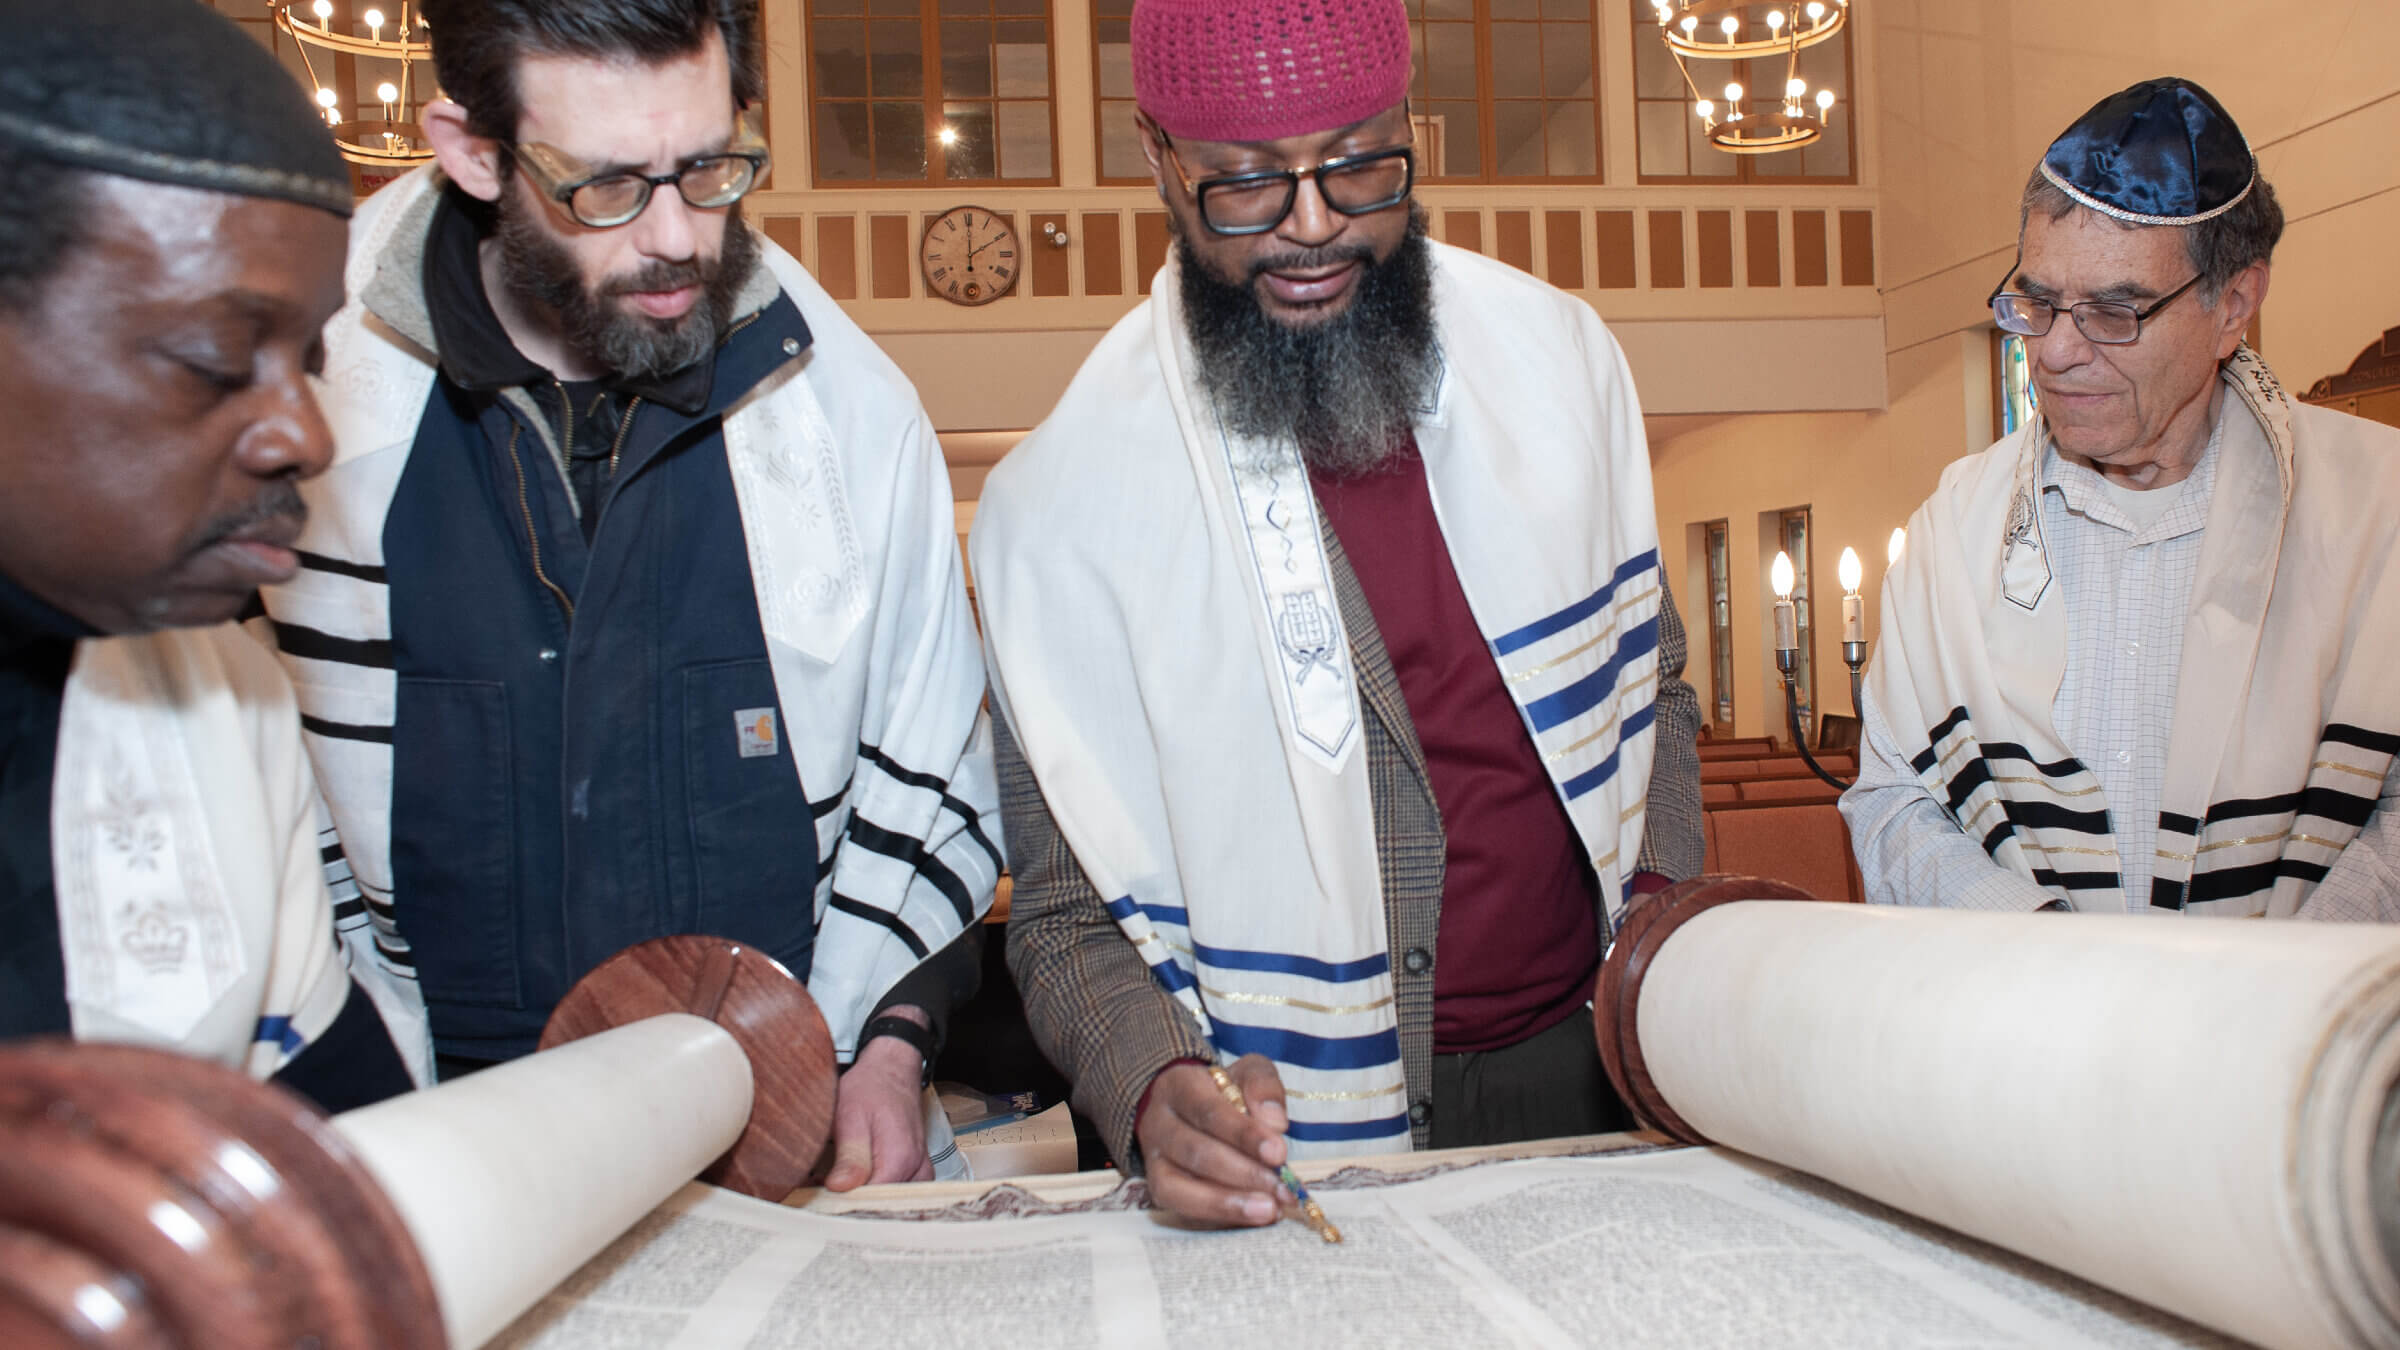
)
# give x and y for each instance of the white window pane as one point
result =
(1660, 130)
(1025, 140)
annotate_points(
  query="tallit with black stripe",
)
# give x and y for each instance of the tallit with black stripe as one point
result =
(2287, 706)
(846, 515)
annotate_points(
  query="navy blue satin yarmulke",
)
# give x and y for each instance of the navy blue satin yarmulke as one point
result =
(2160, 153)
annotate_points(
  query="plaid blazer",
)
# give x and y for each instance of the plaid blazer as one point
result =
(1105, 1022)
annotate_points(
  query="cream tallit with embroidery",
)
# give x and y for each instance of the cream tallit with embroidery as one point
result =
(2286, 717)
(193, 910)
(1164, 636)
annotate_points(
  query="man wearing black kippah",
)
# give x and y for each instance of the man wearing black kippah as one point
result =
(171, 234)
(2138, 658)
(632, 602)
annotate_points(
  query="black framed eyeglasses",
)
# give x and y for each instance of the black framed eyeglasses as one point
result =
(1254, 203)
(2111, 323)
(603, 201)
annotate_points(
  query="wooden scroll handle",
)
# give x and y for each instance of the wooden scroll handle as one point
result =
(770, 1015)
(1616, 1004)
(150, 1199)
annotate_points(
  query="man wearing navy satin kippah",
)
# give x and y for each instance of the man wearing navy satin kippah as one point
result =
(2136, 658)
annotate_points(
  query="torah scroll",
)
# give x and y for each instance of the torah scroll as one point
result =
(2198, 1113)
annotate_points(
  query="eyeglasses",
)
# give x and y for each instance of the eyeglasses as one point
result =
(2111, 323)
(602, 201)
(1254, 203)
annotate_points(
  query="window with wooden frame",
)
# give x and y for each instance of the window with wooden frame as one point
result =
(943, 93)
(1506, 91)
(1673, 144)
(1502, 91)
(1112, 83)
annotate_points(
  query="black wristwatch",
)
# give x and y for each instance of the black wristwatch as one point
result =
(920, 1039)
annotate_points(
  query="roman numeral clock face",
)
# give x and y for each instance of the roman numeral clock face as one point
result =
(970, 256)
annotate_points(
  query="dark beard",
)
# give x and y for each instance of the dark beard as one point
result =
(595, 324)
(1347, 390)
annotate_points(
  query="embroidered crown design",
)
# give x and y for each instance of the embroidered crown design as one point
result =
(156, 940)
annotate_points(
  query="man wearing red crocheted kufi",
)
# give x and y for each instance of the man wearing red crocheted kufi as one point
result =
(1343, 690)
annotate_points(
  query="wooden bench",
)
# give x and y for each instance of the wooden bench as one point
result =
(1803, 843)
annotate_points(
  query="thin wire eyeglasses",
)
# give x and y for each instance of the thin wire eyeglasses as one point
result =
(1254, 203)
(2111, 323)
(603, 201)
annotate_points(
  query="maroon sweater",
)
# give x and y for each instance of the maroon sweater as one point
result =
(1519, 940)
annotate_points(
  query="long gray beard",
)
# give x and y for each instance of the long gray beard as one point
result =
(1346, 390)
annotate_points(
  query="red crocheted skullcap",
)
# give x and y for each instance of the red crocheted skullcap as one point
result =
(1261, 70)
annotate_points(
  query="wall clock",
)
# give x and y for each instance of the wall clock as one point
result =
(970, 256)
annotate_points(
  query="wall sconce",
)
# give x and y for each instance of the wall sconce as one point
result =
(1057, 236)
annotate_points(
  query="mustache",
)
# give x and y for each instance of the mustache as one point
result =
(279, 502)
(657, 275)
(1311, 260)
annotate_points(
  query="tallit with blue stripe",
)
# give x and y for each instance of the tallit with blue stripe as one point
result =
(1164, 635)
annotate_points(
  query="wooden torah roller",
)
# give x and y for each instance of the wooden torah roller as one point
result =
(149, 1199)
(2203, 1114)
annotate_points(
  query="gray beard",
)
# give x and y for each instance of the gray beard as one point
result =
(1346, 390)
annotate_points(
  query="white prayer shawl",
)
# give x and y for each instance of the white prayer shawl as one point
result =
(192, 906)
(1165, 639)
(2286, 714)
(846, 515)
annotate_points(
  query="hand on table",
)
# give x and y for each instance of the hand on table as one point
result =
(879, 1118)
(1208, 1162)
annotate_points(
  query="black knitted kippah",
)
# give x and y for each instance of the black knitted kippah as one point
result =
(164, 90)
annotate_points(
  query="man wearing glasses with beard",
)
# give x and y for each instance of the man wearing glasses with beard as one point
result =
(1342, 690)
(632, 602)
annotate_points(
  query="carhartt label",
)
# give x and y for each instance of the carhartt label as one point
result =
(755, 730)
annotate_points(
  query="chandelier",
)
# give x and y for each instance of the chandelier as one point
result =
(1747, 30)
(388, 142)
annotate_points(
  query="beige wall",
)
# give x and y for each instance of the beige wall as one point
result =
(1965, 97)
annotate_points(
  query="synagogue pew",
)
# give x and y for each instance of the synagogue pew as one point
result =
(1803, 844)
(1810, 789)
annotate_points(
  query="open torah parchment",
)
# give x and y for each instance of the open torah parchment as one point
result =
(1697, 1247)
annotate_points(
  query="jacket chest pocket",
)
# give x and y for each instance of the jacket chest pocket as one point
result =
(754, 863)
(453, 840)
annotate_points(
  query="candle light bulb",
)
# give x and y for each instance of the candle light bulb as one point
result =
(1733, 93)
(1851, 571)
(1705, 108)
(323, 9)
(1892, 550)
(1816, 11)
(387, 92)
(1781, 577)
(374, 18)
(1690, 22)
(1731, 26)
(1774, 20)
(326, 98)
(1824, 100)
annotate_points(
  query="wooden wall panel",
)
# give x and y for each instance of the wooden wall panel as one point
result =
(1666, 250)
(837, 256)
(1103, 257)
(1149, 247)
(1858, 248)
(891, 256)
(1563, 231)
(1762, 248)
(1046, 270)
(788, 232)
(1613, 232)
(1716, 247)
(1464, 229)
(1513, 238)
(1808, 248)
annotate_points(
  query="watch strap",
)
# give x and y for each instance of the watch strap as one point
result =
(920, 1039)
